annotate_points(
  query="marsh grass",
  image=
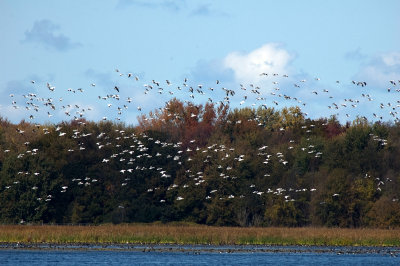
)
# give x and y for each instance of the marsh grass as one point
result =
(197, 234)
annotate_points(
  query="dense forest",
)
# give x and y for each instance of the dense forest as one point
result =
(206, 164)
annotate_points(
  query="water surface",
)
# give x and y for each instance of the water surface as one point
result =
(199, 255)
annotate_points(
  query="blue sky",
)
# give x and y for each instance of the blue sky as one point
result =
(73, 44)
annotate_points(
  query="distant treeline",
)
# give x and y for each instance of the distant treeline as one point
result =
(205, 164)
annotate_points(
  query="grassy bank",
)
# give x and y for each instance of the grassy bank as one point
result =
(197, 234)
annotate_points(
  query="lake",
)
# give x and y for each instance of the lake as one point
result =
(197, 255)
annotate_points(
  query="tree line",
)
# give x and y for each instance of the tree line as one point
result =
(207, 164)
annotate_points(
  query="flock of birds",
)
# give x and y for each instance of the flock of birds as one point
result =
(117, 101)
(250, 95)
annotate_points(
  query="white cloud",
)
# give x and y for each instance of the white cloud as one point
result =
(391, 59)
(269, 58)
(381, 70)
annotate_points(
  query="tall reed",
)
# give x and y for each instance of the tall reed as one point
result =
(197, 234)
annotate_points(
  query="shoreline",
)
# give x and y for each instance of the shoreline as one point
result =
(197, 249)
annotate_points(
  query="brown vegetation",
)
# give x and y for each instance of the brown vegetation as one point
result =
(197, 234)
